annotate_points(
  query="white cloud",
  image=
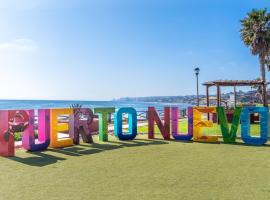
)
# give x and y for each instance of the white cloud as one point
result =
(21, 45)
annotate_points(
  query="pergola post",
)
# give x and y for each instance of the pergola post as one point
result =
(207, 95)
(234, 90)
(218, 95)
(207, 100)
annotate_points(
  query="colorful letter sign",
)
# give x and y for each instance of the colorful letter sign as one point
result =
(199, 123)
(76, 122)
(54, 128)
(79, 124)
(229, 135)
(245, 128)
(132, 123)
(164, 128)
(7, 147)
(103, 122)
(175, 133)
(28, 137)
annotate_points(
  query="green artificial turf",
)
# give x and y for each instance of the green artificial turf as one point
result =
(139, 169)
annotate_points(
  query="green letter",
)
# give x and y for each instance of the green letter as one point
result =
(103, 122)
(229, 136)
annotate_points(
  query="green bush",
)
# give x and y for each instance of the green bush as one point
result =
(18, 136)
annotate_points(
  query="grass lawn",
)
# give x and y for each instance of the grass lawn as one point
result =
(215, 130)
(139, 169)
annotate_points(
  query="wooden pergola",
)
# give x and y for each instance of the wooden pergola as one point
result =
(231, 83)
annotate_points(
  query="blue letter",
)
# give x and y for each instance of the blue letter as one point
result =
(245, 127)
(132, 124)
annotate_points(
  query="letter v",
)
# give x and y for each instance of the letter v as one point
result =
(229, 135)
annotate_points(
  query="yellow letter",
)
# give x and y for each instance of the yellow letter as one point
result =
(55, 127)
(198, 124)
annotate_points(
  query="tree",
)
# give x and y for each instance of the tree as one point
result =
(255, 33)
(258, 91)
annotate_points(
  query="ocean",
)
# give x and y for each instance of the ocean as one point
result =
(38, 104)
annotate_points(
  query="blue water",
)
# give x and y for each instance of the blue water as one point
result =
(38, 104)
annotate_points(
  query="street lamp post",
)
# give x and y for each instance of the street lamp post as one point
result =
(197, 71)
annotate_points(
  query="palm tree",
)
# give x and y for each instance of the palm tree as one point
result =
(255, 33)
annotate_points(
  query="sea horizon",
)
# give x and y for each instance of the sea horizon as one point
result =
(42, 104)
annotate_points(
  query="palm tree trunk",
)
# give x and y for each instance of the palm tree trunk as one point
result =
(262, 69)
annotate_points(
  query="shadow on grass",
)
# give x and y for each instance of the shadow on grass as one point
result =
(237, 143)
(40, 159)
(80, 150)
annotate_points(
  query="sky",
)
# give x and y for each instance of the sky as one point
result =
(106, 49)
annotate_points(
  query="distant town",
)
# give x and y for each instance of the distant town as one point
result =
(227, 99)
